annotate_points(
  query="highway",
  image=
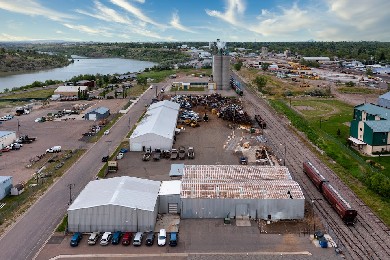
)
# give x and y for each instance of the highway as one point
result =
(25, 238)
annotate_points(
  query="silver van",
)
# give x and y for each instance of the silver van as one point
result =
(138, 239)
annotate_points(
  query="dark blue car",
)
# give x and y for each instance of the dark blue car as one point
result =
(116, 237)
(74, 241)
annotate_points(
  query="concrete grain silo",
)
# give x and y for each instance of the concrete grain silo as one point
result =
(221, 67)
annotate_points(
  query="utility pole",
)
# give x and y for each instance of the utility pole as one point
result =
(70, 185)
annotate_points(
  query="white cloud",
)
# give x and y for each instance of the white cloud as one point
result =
(135, 11)
(10, 38)
(234, 9)
(59, 32)
(33, 8)
(85, 29)
(175, 23)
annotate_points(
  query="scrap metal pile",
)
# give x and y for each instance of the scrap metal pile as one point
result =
(226, 108)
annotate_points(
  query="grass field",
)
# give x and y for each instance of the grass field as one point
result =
(41, 93)
(320, 120)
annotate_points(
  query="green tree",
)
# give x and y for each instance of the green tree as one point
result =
(369, 72)
(260, 82)
(238, 65)
(265, 66)
(141, 80)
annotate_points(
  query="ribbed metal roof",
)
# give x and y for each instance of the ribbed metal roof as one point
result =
(165, 103)
(375, 110)
(385, 96)
(160, 120)
(238, 181)
(5, 133)
(379, 126)
(70, 88)
(100, 110)
(123, 191)
(170, 187)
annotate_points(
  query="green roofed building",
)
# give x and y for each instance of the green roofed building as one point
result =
(370, 128)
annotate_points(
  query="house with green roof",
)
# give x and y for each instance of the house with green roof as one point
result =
(370, 129)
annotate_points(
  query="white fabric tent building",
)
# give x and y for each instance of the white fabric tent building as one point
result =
(157, 128)
(120, 203)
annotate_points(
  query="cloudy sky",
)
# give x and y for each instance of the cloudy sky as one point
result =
(195, 20)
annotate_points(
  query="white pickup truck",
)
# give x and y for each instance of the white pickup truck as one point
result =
(54, 149)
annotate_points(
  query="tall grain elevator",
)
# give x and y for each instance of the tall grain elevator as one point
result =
(221, 66)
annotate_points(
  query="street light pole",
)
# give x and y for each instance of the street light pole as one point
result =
(285, 154)
(70, 185)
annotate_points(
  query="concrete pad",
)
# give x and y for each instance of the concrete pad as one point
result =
(170, 222)
(243, 223)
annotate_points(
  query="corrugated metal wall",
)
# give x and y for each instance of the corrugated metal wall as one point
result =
(219, 208)
(5, 187)
(165, 200)
(226, 72)
(111, 218)
(217, 70)
(150, 140)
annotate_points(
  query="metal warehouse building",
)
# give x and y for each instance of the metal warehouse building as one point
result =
(7, 138)
(121, 203)
(5, 186)
(256, 192)
(70, 91)
(157, 128)
(169, 197)
(98, 113)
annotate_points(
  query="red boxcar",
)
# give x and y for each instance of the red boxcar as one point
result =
(342, 207)
(315, 176)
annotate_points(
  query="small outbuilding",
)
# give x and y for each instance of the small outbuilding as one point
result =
(98, 113)
(120, 203)
(7, 138)
(157, 127)
(5, 186)
(17, 189)
(169, 197)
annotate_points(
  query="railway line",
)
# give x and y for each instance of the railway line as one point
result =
(369, 238)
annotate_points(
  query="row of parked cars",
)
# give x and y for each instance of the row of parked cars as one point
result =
(126, 238)
(6, 117)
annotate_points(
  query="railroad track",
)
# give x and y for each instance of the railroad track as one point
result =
(369, 238)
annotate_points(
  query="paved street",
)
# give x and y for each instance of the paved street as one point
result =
(25, 238)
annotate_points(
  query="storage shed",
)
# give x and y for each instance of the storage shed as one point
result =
(7, 138)
(98, 113)
(384, 100)
(254, 192)
(169, 197)
(157, 127)
(5, 186)
(120, 203)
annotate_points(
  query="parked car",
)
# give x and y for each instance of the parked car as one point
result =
(119, 156)
(105, 158)
(74, 241)
(54, 149)
(149, 239)
(106, 132)
(243, 160)
(123, 150)
(105, 240)
(116, 237)
(173, 237)
(93, 238)
(138, 239)
(126, 239)
(162, 237)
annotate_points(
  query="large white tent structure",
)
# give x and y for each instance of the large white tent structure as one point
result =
(120, 203)
(157, 128)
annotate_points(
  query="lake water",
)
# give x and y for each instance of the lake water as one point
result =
(80, 66)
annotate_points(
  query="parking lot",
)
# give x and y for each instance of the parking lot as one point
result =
(66, 133)
(198, 237)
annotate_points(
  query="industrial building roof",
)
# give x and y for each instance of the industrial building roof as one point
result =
(159, 119)
(239, 182)
(5, 133)
(170, 187)
(379, 126)
(5, 178)
(100, 110)
(176, 169)
(374, 110)
(123, 191)
(385, 96)
(70, 88)
(165, 103)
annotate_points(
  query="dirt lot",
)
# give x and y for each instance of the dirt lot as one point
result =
(64, 133)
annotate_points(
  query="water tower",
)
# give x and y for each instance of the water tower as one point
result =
(221, 66)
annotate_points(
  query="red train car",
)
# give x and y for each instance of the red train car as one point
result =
(342, 207)
(314, 175)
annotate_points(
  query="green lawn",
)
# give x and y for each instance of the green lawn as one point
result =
(41, 93)
(320, 120)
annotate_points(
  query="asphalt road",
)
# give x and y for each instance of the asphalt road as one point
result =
(24, 239)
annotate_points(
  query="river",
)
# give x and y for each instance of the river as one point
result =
(80, 66)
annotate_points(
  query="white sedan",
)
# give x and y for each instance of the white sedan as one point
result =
(106, 132)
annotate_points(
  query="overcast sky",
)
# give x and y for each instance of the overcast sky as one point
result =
(195, 20)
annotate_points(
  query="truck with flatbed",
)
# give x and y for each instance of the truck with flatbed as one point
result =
(174, 154)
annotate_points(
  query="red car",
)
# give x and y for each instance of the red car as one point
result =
(126, 238)
(5, 149)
